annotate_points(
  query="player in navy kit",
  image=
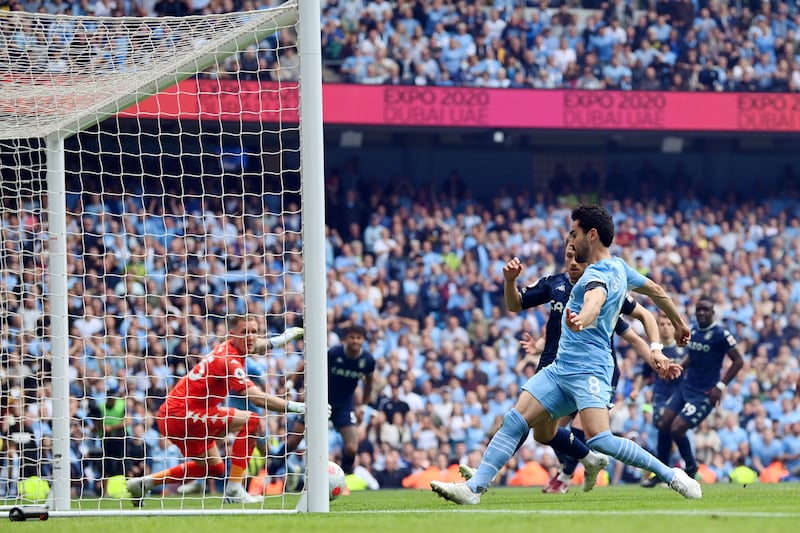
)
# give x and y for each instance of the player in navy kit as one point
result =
(348, 365)
(702, 387)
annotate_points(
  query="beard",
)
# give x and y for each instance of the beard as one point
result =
(582, 252)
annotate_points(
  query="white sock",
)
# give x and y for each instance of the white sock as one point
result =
(564, 478)
(590, 459)
(234, 487)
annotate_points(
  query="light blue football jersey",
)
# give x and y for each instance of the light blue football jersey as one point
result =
(590, 348)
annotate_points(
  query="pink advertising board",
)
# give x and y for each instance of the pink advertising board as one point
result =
(364, 105)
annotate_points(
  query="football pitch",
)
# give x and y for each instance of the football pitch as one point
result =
(724, 509)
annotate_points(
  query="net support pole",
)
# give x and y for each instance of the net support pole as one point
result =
(313, 213)
(57, 288)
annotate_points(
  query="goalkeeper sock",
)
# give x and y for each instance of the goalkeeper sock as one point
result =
(184, 472)
(242, 446)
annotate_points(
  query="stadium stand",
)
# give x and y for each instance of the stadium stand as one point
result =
(673, 45)
(430, 294)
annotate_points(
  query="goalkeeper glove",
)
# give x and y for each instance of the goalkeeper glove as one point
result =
(296, 407)
(287, 336)
(300, 408)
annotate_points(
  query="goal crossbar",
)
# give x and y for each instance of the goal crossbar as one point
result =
(38, 105)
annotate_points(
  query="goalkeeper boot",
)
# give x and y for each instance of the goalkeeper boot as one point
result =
(239, 495)
(191, 487)
(137, 487)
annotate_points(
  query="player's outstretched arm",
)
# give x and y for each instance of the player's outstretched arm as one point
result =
(278, 341)
(660, 297)
(273, 403)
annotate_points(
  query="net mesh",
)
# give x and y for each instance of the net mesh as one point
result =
(177, 216)
(62, 73)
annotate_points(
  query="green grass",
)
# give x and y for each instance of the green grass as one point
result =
(723, 509)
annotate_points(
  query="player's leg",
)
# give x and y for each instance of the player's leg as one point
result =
(559, 484)
(350, 449)
(576, 426)
(565, 444)
(244, 424)
(204, 463)
(528, 411)
(694, 411)
(663, 414)
(664, 419)
(596, 424)
(296, 433)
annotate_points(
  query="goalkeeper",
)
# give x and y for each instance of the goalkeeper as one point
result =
(257, 373)
(192, 418)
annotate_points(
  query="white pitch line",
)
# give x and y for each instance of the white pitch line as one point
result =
(703, 512)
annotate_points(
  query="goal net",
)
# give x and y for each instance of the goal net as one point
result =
(153, 184)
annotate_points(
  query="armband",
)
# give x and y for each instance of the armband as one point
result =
(721, 386)
(656, 347)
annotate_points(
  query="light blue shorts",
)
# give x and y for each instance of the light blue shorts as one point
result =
(562, 393)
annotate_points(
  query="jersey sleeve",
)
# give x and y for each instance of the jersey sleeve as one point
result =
(628, 305)
(594, 277)
(730, 340)
(370, 368)
(536, 294)
(635, 279)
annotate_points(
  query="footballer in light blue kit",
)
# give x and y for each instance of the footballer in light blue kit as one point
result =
(555, 290)
(581, 375)
(582, 372)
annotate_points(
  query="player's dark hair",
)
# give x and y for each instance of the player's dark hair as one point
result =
(706, 298)
(591, 217)
(356, 329)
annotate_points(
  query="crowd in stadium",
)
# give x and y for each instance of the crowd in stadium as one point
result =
(151, 279)
(675, 45)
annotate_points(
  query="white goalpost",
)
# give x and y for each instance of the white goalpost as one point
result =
(157, 175)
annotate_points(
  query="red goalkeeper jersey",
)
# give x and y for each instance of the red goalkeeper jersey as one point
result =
(210, 381)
